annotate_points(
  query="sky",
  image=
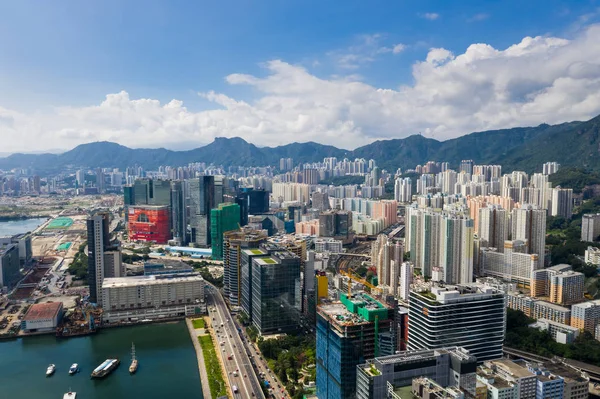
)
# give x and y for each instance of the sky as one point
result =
(177, 74)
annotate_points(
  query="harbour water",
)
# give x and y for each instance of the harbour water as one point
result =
(11, 227)
(167, 364)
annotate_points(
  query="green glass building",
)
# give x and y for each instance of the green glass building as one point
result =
(222, 219)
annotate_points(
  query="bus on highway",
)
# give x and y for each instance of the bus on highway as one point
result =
(234, 389)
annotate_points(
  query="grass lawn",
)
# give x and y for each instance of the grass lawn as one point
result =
(213, 368)
(198, 323)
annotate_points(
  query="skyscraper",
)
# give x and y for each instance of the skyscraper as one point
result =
(237, 275)
(562, 202)
(466, 165)
(457, 254)
(100, 180)
(529, 225)
(178, 212)
(222, 219)
(387, 257)
(201, 200)
(104, 257)
(472, 316)
(590, 227)
(493, 227)
(403, 190)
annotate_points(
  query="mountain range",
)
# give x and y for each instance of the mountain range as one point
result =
(524, 148)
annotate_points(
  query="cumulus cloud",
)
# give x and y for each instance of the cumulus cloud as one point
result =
(398, 48)
(538, 80)
(432, 16)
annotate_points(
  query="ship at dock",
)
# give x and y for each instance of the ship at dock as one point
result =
(105, 368)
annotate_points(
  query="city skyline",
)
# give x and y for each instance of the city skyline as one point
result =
(370, 73)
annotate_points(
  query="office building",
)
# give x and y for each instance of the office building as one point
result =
(590, 227)
(178, 212)
(9, 265)
(513, 265)
(149, 223)
(328, 244)
(152, 297)
(236, 268)
(472, 316)
(23, 242)
(493, 227)
(586, 315)
(448, 367)
(104, 257)
(403, 190)
(592, 256)
(335, 224)
(529, 225)
(200, 202)
(347, 335)
(320, 201)
(562, 202)
(223, 219)
(276, 292)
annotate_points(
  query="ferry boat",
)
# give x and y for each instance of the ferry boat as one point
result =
(134, 362)
(50, 370)
(105, 368)
(74, 368)
(70, 395)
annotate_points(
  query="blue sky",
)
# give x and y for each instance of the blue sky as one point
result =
(74, 53)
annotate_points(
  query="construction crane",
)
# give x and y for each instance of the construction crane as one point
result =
(358, 279)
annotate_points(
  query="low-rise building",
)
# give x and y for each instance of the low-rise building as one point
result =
(575, 383)
(592, 255)
(447, 367)
(42, 317)
(152, 297)
(586, 315)
(561, 333)
(328, 244)
(426, 388)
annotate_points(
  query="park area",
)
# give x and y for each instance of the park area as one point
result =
(213, 367)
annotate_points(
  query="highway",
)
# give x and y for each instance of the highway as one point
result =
(247, 382)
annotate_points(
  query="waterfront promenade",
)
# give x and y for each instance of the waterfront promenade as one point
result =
(200, 356)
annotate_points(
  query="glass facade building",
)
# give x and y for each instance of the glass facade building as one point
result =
(222, 219)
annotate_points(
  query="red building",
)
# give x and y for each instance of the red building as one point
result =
(149, 223)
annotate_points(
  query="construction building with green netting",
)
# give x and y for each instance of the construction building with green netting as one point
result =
(64, 246)
(222, 219)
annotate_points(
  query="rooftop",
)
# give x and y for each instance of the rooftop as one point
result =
(116, 282)
(588, 304)
(511, 367)
(265, 261)
(42, 311)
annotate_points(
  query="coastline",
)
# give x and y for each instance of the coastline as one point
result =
(200, 357)
(10, 218)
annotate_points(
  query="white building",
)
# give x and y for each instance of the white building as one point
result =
(562, 202)
(590, 227)
(406, 277)
(561, 333)
(42, 317)
(592, 256)
(493, 227)
(151, 297)
(403, 190)
(328, 244)
(550, 167)
(529, 225)
(513, 265)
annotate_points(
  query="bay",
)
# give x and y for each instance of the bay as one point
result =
(167, 364)
(11, 227)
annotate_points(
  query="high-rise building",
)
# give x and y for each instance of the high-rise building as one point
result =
(406, 278)
(223, 219)
(514, 264)
(529, 225)
(387, 258)
(80, 178)
(550, 168)
(104, 257)
(320, 201)
(201, 200)
(493, 227)
(586, 315)
(590, 227)
(348, 333)
(453, 367)
(562, 202)
(466, 165)
(9, 264)
(472, 316)
(100, 180)
(178, 212)
(403, 189)
(276, 292)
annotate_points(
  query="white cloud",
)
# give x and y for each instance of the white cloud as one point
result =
(539, 79)
(398, 48)
(432, 16)
(479, 17)
(365, 50)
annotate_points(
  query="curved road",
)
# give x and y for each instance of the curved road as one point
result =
(248, 386)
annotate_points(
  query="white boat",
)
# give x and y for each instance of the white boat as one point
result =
(70, 395)
(134, 362)
(74, 368)
(50, 370)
